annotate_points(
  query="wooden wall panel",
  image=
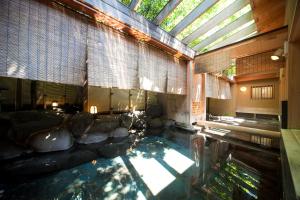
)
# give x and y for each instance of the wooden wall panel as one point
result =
(259, 63)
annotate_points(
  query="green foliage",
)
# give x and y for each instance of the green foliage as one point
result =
(181, 11)
(220, 26)
(231, 71)
(151, 8)
(207, 15)
(125, 2)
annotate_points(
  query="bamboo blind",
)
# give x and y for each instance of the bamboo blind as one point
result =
(216, 88)
(258, 63)
(41, 43)
(153, 66)
(112, 59)
(213, 62)
(177, 77)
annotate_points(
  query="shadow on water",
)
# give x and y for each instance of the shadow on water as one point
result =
(160, 169)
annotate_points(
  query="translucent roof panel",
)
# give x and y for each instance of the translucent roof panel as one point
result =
(181, 11)
(221, 25)
(151, 8)
(211, 12)
(125, 2)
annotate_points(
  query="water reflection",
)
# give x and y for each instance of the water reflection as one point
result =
(157, 169)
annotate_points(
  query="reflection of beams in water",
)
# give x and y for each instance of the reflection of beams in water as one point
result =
(154, 175)
(153, 170)
(177, 161)
(237, 142)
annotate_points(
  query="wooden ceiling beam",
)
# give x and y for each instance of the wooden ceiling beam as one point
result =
(134, 4)
(227, 29)
(224, 14)
(120, 17)
(192, 16)
(236, 37)
(259, 76)
(166, 11)
(253, 45)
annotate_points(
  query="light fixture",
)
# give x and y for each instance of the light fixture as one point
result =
(243, 89)
(54, 104)
(93, 109)
(275, 57)
(277, 54)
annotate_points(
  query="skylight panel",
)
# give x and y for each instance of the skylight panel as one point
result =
(181, 11)
(221, 25)
(211, 12)
(151, 8)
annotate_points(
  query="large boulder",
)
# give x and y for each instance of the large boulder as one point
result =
(126, 120)
(91, 138)
(154, 111)
(105, 123)
(119, 132)
(56, 139)
(26, 123)
(139, 120)
(155, 123)
(168, 123)
(80, 123)
(9, 150)
(43, 164)
(5, 126)
(115, 149)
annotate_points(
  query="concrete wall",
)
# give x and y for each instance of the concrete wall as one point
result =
(119, 99)
(242, 102)
(223, 106)
(45, 92)
(175, 107)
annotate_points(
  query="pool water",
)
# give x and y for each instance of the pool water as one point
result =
(156, 169)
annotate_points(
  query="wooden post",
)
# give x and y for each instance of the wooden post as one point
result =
(18, 102)
(146, 99)
(129, 100)
(110, 101)
(33, 94)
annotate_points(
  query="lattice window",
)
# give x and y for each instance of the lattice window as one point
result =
(262, 92)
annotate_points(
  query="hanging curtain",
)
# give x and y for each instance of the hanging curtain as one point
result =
(112, 58)
(216, 87)
(153, 66)
(41, 43)
(177, 77)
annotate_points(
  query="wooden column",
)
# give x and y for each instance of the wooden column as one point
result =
(18, 100)
(33, 94)
(190, 71)
(293, 66)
